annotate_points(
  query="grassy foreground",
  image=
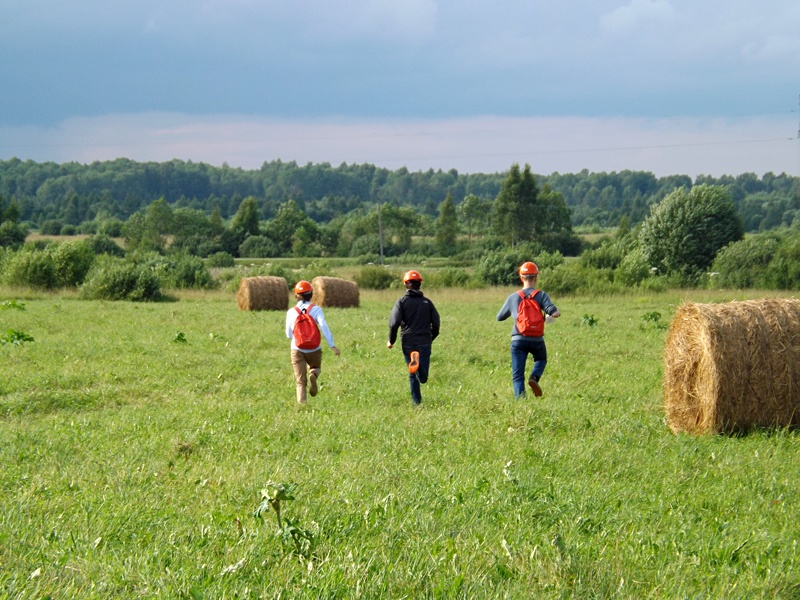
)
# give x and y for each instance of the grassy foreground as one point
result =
(135, 440)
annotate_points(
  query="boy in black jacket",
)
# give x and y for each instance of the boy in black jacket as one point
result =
(418, 321)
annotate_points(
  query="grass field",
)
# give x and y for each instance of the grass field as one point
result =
(135, 441)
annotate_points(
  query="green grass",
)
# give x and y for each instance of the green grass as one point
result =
(133, 462)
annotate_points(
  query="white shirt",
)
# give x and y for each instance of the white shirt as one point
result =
(317, 315)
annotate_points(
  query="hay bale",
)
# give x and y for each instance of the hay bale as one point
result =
(732, 366)
(332, 291)
(263, 293)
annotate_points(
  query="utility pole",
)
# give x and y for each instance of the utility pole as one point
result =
(380, 226)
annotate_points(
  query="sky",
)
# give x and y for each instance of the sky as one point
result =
(690, 87)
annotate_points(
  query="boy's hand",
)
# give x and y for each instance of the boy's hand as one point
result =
(335, 350)
(389, 345)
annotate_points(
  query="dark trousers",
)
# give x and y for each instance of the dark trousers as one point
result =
(421, 376)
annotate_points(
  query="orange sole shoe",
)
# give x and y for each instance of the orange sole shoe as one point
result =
(414, 364)
(537, 391)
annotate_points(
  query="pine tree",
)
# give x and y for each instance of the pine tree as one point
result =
(515, 206)
(446, 227)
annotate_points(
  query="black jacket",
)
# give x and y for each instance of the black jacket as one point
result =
(417, 319)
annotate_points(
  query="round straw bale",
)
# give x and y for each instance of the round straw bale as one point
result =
(263, 293)
(729, 367)
(332, 291)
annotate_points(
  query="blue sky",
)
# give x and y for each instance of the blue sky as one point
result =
(669, 86)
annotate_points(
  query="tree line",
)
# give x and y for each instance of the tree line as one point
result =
(73, 194)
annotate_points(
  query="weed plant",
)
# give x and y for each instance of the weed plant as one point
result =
(133, 465)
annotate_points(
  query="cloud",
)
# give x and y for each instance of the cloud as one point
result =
(636, 14)
(774, 48)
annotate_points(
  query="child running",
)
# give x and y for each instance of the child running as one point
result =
(418, 321)
(304, 323)
(529, 340)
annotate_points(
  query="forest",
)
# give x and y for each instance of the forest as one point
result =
(73, 194)
(147, 226)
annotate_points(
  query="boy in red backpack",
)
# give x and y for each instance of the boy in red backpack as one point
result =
(528, 307)
(304, 323)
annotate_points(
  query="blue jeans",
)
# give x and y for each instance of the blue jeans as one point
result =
(519, 356)
(421, 376)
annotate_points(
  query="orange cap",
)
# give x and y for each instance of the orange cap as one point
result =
(301, 287)
(412, 276)
(528, 268)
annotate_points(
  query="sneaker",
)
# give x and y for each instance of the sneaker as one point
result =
(537, 391)
(414, 364)
(312, 383)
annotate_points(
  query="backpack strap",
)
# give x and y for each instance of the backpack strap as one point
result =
(306, 309)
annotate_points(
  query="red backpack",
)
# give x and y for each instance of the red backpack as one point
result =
(306, 331)
(530, 320)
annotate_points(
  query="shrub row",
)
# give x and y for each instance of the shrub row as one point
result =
(94, 266)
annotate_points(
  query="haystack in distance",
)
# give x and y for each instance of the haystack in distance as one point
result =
(332, 291)
(263, 293)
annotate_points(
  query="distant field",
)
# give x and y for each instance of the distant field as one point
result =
(135, 440)
(33, 237)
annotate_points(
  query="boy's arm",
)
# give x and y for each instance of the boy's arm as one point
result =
(325, 329)
(435, 322)
(395, 319)
(505, 312)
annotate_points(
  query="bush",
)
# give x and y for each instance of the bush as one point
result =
(500, 267)
(68, 230)
(221, 260)
(258, 246)
(633, 269)
(563, 242)
(72, 261)
(375, 278)
(115, 279)
(449, 277)
(88, 227)
(189, 272)
(33, 269)
(111, 227)
(51, 227)
(12, 235)
(744, 264)
(102, 244)
(783, 272)
(369, 245)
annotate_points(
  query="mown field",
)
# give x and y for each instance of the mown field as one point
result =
(135, 441)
